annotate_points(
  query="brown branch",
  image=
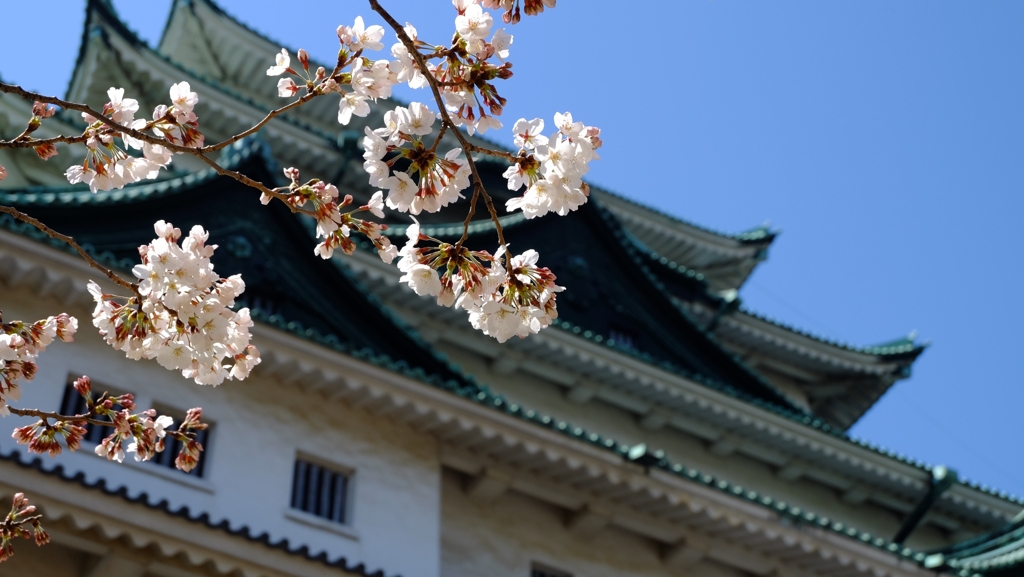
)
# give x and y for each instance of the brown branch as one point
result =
(59, 417)
(445, 118)
(499, 153)
(71, 241)
(12, 89)
(21, 142)
(440, 135)
(259, 125)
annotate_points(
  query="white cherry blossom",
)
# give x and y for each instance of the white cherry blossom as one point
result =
(283, 63)
(352, 103)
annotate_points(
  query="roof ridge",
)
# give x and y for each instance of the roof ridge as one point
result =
(756, 234)
(894, 347)
(133, 38)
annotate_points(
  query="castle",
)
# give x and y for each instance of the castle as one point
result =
(658, 428)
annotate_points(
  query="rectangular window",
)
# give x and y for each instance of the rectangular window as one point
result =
(545, 571)
(320, 491)
(74, 404)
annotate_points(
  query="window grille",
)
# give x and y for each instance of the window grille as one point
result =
(320, 491)
(543, 571)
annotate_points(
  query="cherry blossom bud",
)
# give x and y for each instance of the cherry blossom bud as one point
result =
(344, 34)
(46, 151)
(192, 418)
(43, 110)
(304, 59)
(3, 172)
(292, 173)
(24, 435)
(127, 401)
(321, 73)
(41, 536)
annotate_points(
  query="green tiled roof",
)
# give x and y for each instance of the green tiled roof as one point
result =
(998, 553)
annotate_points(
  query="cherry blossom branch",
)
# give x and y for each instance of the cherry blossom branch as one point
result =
(440, 135)
(17, 214)
(58, 417)
(21, 142)
(197, 152)
(499, 153)
(446, 120)
(13, 526)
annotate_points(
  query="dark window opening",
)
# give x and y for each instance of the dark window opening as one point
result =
(320, 491)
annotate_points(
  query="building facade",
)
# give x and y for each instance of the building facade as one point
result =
(658, 428)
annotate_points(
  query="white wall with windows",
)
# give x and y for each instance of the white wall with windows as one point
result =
(391, 515)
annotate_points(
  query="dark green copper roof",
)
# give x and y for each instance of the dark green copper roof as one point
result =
(999, 553)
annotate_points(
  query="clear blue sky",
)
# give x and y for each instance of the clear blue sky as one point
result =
(885, 139)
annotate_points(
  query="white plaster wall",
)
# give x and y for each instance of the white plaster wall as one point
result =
(259, 426)
(503, 539)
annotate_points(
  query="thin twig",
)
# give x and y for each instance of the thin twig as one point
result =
(71, 241)
(60, 417)
(440, 135)
(499, 153)
(259, 125)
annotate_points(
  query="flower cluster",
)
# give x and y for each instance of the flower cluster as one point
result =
(20, 344)
(429, 182)
(107, 165)
(334, 226)
(466, 73)
(511, 8)
(552, 168)
(181, 315)
(144, 431)
(501, 303)
(13, 526)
